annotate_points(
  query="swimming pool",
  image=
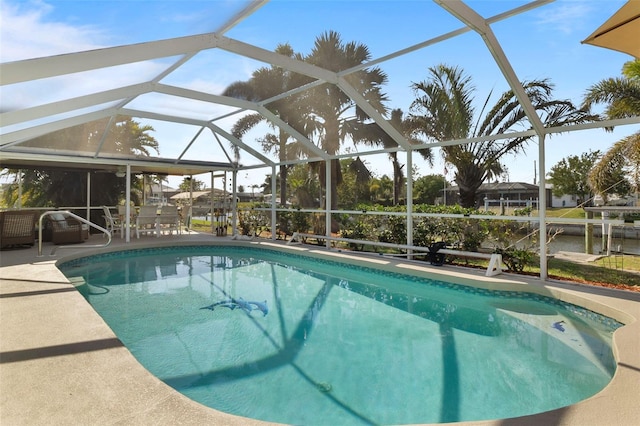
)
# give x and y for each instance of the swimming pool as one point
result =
(331, 349)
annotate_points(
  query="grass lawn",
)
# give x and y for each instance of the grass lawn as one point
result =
(568, 212)
(609, 271)
(613, 271)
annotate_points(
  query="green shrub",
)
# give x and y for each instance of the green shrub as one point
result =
(395, 231)
(358, 230)
(517, 259)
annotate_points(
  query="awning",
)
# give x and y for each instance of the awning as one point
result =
(621, 32)
(187, 195)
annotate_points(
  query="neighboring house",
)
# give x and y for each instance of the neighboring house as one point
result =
(560, 201)
(517, 193)
(202, 200)
(160, 194)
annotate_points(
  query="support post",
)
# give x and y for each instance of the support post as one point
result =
(542, 212)
(588, 234)
(327, 201)
(234, 202)
(410, 199)
(127, 203)
(274, 185)
(88, 216)
(212, 210)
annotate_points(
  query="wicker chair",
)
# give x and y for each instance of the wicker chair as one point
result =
(17, 228)
(66, 230)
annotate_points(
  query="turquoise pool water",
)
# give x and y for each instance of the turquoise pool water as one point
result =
(289, 339)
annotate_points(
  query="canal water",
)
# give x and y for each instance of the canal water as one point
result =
(577, 244)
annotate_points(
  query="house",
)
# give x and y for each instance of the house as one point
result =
(560, 201)
(517, 193)
(159, 194)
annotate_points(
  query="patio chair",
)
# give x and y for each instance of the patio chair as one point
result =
(66, 230)
(17, 228)
(169, 219)
(112, 223)
(147, 220)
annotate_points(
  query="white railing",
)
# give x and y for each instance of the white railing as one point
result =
(495, 259)
(80, 219)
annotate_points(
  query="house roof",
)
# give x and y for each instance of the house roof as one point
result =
(503, 187)
(508, 186)
(197, 194)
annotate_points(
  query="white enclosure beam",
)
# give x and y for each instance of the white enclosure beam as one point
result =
(43, 129)
(270, 57)
(240, 103)
(241, 144)
(201, 123)
(253, 6)
(293, 132)
(34, 69)
(67, 105)
(467, 15)
(204, 97)
(446, 36)
(373, 113)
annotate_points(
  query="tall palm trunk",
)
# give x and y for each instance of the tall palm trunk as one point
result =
(331, 145)
(398, 178)
(284, 169)
(469, 181)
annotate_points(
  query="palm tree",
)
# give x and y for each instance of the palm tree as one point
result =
(329, 105)
(622, 93)
(443, 110)
(265, 83)
(56, 187)
(372, 134)
(618, 171)
(611, 173)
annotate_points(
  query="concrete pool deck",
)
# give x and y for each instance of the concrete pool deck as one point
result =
(61, 364)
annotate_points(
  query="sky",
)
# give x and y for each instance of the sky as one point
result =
(543, 43)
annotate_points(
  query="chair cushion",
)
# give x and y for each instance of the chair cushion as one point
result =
(59, 217)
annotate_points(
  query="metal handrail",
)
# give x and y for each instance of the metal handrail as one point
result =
(75, 216)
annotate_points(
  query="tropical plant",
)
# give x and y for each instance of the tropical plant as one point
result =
(571, 175)
(355, 182)
(267, 82)
(622, 94)
(443, 110)
(381, 189)
(189, 184)
(618, 170)
(427, 188)
(333, 111)
(63, 187)
(372, 134)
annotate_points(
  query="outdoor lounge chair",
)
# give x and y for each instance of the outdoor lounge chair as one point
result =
(147, 220)
(112, 223)
(66, 230)
(17, 228)
(169, 219)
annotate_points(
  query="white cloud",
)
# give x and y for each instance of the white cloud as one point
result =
(26, 32)
(567, 17)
